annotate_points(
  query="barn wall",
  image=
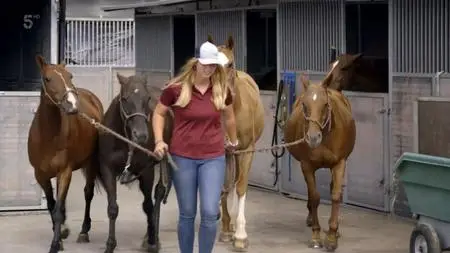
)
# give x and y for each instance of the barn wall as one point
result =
(91, 9)
(304, 45)
(154, 48)
(420, 47)
(421, 36)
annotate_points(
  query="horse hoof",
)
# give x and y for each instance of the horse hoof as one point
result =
(309, 221)
(330, 244)
(151, 248)
(315, 244)
(83, 238)
(54, 248)
(240, 245)
(127, 177)
(65, 231)
(225, 237)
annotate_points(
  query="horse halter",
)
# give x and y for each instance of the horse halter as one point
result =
(67, 88)
(231, 76)
(326, 122)
(125, 117)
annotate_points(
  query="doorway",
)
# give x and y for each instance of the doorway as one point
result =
(27, 28)
(367, 32)
(183, 40)
(261, 27)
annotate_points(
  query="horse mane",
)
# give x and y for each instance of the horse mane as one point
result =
(243, 81)
(340, 107)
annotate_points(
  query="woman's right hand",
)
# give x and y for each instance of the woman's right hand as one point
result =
(160, 149)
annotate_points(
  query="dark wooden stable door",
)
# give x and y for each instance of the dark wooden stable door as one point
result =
(25, 26)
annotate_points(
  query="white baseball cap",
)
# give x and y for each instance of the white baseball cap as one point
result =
(209, 54)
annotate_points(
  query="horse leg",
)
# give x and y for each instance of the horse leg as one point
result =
(151, 241)
(113, 208)
(90, 175)
(65, 231)
(331, 193)
(226, 233)
(309, 220)
(63, 182)
(228, 212)
(338, 171)
(240, 242)
(47, 187)
(313, 204)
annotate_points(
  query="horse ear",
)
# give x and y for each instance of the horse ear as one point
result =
(305, 81)
(327, 81)
(230, 42)
(355, 57)
(210, 39)
(122, 79)
(144, 78)
(40, 61)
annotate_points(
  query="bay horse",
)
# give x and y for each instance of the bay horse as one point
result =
(356, 72)
(60, 141)
(249, 113)
(128, 115)
(323, 117)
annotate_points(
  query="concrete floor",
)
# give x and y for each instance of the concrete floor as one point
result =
(274, 223)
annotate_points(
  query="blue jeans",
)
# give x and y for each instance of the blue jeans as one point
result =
(206, 176)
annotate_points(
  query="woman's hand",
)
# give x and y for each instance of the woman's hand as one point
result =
(231, 146)
(160, 149)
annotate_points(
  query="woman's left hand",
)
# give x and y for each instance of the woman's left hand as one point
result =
(231, 146)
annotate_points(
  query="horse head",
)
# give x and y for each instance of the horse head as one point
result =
(57, 85)
(343, 70)
(226, 54)
(134, 99)
(316, 108)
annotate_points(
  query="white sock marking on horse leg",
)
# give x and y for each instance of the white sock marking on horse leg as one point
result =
(240, 221)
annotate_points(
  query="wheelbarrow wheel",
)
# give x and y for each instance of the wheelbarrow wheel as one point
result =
(424, 239)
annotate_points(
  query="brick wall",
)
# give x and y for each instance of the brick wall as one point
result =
(405, 91)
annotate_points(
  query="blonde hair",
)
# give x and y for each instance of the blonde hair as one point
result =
(186, 79)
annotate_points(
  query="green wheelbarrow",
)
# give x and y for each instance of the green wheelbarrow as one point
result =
(426, 180)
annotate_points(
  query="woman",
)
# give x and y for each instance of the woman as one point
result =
(198, 96)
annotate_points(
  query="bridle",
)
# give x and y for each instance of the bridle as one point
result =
(67, 88)
(231, 67)
(125, 118)
(325, 123)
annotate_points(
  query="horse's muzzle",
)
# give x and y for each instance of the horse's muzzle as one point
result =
(314, 139)
(69, 108)
(140, 138)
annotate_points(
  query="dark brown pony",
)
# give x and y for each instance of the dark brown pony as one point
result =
(360, 73)
(249, 113)
(60, 141)
(128, 115)
(323, 117)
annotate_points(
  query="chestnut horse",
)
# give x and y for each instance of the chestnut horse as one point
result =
(60, 141)
(249, 113)
(323, 117)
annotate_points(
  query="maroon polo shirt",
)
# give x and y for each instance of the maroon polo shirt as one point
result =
(197, 131)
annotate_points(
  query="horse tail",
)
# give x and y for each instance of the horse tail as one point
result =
(95, 166)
